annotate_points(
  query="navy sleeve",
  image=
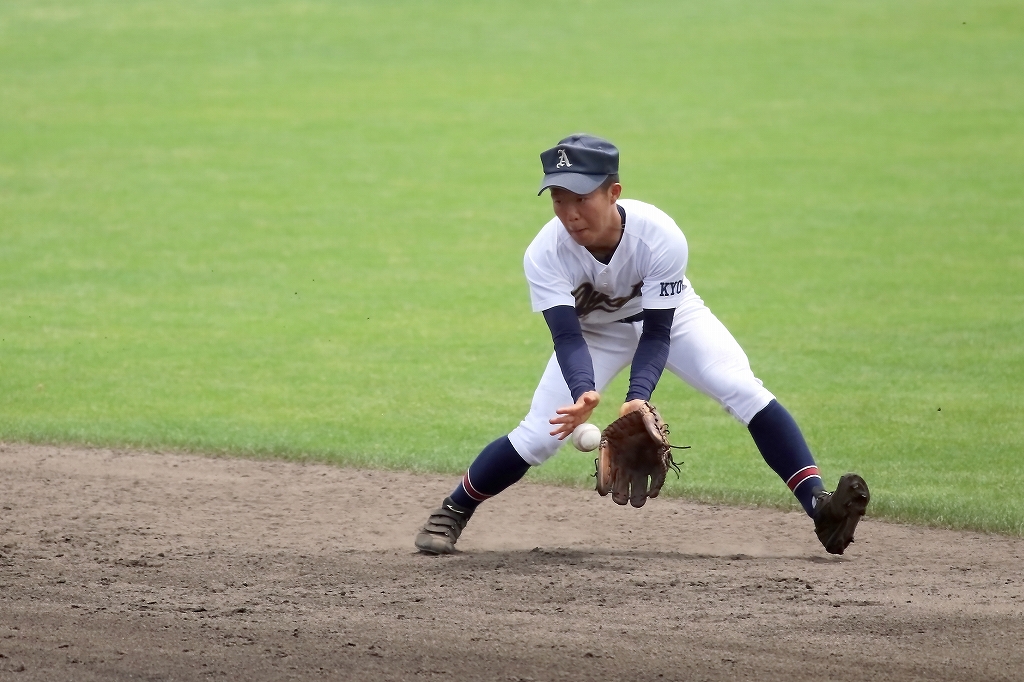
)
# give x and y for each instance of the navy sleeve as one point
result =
(571, 349)
(651, 353)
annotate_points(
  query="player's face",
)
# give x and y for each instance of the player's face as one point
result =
(590, 219)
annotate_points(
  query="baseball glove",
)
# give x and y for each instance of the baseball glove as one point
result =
(634, 448)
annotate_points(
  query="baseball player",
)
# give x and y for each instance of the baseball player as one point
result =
(609, 276)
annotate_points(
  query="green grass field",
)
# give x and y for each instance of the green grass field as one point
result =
(295, 228)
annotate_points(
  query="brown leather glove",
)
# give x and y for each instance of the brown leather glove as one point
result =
(634, 450)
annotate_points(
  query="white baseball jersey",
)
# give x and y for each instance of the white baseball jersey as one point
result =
(647, 270)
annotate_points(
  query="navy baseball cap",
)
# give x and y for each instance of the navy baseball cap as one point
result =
(579, 163)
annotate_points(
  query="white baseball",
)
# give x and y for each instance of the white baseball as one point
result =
(586, 437)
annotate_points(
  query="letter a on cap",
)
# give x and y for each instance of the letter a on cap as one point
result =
(563, 159)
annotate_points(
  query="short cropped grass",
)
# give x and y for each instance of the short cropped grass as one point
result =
(295, 228)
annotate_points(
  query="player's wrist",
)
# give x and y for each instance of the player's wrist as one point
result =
(631, 406)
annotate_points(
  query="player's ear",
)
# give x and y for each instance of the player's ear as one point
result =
(615, 191)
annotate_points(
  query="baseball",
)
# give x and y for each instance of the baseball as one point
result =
(586, 437)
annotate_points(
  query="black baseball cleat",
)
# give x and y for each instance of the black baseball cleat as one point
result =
(836, 514)
(443, 528)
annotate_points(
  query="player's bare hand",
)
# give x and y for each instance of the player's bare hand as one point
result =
(571, 416)
(631, 406)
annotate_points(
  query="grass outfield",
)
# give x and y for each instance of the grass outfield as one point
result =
(296, 228)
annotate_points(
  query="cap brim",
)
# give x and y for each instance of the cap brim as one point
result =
(577, 183)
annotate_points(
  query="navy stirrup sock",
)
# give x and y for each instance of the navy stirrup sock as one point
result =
(783, 447)
(496, 467)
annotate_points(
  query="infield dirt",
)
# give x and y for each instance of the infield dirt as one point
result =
(135, 565)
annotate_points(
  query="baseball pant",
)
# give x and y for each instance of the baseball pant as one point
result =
(702, 353)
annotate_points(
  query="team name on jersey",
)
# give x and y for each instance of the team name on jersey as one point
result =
(671, 288)
(589, 299)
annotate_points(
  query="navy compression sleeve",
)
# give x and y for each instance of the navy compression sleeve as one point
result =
(571, 349)
(651, 353)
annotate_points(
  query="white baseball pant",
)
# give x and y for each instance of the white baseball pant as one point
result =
(703, 354)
